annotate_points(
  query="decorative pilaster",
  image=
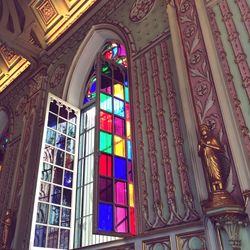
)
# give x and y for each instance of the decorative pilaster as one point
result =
(230, 82)
(178, 140)
(151, 142)
(174, 216)
(239, 54)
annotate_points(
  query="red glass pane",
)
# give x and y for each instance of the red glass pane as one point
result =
(105, 121)
(119, 126)
(105, 164)
(127, 112)
(132, 220)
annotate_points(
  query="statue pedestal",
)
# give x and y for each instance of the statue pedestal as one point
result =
(226, 213)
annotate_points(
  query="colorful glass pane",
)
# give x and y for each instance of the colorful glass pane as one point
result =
(127, 110)
(128, 129)
(40, 236)
(106, 144)
(91, 89)
(119, 91)
(105, 121)
(130, 172)
(64, 239)
(126, 94)
(106, 189)
(52, 121)
(120, 193)
(129, 149)
(106, 102)
(105, 164)
(119, 146)
(68, 177)
(105, 220)
(120, 168)
(121, 220)
(131, 195)
(106, 70)
(54, 215)
(132, 220)
(106, 84)
(52, 239)
(119, 107)
(119, 126)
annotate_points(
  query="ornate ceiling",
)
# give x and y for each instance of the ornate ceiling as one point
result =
(27, 27)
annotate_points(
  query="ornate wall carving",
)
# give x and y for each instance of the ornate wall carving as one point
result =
(140, 9)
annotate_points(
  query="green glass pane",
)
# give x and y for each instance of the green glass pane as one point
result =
(126, 94)
(105, 142)
(106, 102)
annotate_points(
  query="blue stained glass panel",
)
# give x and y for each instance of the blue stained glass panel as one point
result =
(60, 158)
(51, 137)
(52, 121)
(68, 177)
(40, 236)
(54, 215)
(65, 219)
(56, 195)
(105, 220)
(42, 213)
(119, 107)
(60, 141)
(52, 239)
(129, 149)
(120, 168)
(66, 197)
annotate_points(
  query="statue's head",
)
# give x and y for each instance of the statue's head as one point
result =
(204, 129)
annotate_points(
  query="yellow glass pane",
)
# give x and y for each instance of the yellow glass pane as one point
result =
(119, 91)
(128, 129)
(119, 146)
(131, 195)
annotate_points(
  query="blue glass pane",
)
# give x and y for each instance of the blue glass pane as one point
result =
(40, 234)
(52, 238)
(59, 158)
(42, 213)
(66, 197)
(105, 222)
(56, 195)
(120, 168)
(60, 141)
(51, 137)
(52, 121)
(68, 176)
(54, 215)
(119, 107)
(129, 149)
(65, 219)
(53, 107)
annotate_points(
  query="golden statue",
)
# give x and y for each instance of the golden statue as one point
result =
(6, 223)
(217, 165)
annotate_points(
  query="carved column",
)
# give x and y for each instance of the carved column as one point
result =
(199, 79)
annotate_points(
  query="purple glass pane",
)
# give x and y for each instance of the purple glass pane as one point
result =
(63, 112)
(52, 121)
(121, 220)
(53, 107)
(57, 178)
(121, 193)
(119, 126)
(106, 189)
(67, 197)
(106, 85)
(52, 239)
(130, 172)
(64, 239)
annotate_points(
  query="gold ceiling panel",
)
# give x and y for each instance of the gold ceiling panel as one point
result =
(55, 17)
(11, 66)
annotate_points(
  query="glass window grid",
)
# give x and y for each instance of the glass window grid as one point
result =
(127, 206)
(53, 165)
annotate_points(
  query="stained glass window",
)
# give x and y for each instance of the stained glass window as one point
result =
(55, 187)
(106, 149)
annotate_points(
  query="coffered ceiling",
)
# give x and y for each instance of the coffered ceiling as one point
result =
(27, 27)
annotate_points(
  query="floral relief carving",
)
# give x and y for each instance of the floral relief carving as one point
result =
(140, 9)
(57, 75)
(47, 11)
